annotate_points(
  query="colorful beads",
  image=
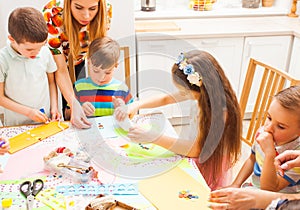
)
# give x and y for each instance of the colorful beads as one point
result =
(143, 147)
(187, 195)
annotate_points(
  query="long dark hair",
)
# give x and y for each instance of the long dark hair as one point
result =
(220, 119)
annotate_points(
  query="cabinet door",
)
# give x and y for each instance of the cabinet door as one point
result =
(227, 51)
(154, 71)
(271, 50)
(294, 68)
(161, 55)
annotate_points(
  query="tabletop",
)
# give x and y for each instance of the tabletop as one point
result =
(128, 171)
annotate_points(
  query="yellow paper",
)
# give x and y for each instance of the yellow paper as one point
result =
(35, 135)
(163, 191)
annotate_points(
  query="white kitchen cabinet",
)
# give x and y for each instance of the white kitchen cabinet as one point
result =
(159, 56)
(294, 68)
(271, 50)
(227, 51)
(154, 70)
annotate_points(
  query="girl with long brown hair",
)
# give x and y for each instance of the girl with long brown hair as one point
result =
(213, 138)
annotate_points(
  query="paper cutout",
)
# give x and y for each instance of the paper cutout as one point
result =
(162, 191)
(35, 135)
(52, 199)
(147, 151)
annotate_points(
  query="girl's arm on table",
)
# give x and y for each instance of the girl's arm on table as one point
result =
(156, 101)
(245, 198)
(244, 172)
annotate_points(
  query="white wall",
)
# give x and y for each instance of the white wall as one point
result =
(6, 6)
(122, 27)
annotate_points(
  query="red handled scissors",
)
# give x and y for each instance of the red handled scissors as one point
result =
(30, 190)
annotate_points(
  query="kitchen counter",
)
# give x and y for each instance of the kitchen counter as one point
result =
(185, 13)
(220, 27)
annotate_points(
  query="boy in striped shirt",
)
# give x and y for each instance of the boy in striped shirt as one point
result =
(96, 92)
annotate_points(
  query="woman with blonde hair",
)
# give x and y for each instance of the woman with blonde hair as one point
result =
(72, 27)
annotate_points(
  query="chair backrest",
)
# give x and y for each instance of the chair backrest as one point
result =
(126, 60)
(272, 81)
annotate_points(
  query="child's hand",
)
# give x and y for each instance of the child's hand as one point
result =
(117, 102)
(133, 108)
(4, 146)
(55, 115)
(142, 135)
(88, 109)
(37, 116)
(120, 113)
(266, 142)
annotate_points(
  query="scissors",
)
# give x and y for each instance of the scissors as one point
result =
(30, 190)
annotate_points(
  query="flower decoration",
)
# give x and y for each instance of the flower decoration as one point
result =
(188, 69)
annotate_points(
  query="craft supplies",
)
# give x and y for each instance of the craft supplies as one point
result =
(2, 143)
(52, 199)
(30, 189)
(35, 135)
(107, 202)
(187, 194)
(169, 184)
(6, 203)
(76, 164)
(96, 189)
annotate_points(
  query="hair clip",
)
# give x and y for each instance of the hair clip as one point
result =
(188, 69)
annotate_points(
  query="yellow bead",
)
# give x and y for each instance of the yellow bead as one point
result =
(7, 202)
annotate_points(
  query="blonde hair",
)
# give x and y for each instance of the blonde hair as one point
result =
(289, 98)
(97, 28)
(104, 52)
(218, 136)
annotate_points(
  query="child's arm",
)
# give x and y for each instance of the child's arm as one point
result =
(7, 103)
(269, 179)
(55, 114)
(155, 101)
(179, 146)
(244, 172)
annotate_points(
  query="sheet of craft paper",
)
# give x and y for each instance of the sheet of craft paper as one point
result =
(169, 185)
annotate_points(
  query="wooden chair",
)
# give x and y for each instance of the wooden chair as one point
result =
(272, 81)
(126, 60)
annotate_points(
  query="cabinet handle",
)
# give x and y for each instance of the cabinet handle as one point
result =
(209, 42)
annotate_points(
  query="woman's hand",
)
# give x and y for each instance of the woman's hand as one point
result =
(88, 109)
(78, 118)
(287, 160)
(233, 198)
